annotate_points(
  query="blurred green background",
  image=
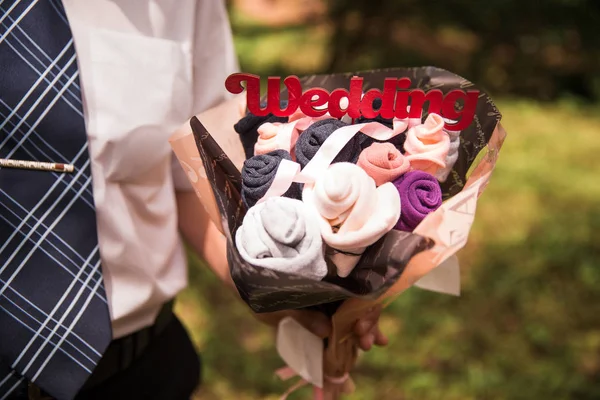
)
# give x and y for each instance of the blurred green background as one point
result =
(527, 325)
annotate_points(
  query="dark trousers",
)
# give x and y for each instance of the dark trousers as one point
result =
(168, 369)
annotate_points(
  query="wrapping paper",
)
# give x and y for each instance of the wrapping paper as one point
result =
(213, 156)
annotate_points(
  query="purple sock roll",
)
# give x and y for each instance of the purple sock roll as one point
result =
(420, 194)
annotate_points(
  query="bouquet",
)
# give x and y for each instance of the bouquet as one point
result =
(340, 199)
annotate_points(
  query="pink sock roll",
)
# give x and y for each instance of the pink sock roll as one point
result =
(427, 145)
(353, 213)
(276, 136)
(383, 162)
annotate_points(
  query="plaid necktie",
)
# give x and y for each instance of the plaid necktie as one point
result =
(54, 319)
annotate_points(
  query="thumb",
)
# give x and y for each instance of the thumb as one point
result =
(314, 321)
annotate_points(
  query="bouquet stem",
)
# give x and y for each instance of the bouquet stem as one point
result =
(339, 359)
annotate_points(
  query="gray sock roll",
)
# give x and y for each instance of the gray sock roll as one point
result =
(283, 234)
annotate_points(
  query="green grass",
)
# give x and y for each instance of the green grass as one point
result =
(527, 325)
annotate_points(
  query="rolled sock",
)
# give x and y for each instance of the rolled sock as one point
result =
(275, 136)
(282, 234)
(383, 162)
(420, 194)
(354, 214)
(313, 137)
(427, 145)
(247, 128)
(258, 174)
(451, 158)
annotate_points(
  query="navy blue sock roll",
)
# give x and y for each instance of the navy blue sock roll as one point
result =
(313, 137)
(258, 174)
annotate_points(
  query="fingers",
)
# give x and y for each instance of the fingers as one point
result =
(368, 331)
(314, 321)
(365, 342)
(374, 337)
(367, 322)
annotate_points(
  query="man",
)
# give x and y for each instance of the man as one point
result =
(91, 259)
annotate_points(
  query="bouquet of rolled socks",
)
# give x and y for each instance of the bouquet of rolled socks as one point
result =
(342, 214)
(369, 188)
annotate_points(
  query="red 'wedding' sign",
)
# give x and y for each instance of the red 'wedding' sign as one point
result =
(395, 99)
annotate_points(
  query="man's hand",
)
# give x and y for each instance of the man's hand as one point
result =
(314, 321)
(366, 328)
(368, 332)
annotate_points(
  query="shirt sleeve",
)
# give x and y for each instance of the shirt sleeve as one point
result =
(214, 59)
(214, 55)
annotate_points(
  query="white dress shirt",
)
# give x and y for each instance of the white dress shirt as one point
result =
(146, 66)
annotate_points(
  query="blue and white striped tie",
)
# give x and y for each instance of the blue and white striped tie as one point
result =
(54, 319)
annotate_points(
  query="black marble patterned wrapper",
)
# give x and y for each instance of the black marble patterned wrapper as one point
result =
(383, 263)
